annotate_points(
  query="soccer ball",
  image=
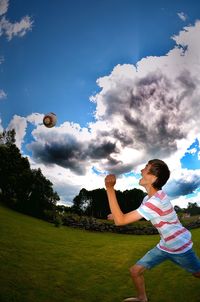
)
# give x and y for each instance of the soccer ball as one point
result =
(50, 120)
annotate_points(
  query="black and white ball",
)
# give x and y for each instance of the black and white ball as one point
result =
(50, 120)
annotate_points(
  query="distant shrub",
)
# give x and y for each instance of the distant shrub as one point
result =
(93, 224)
(99, 225)
(58, 222)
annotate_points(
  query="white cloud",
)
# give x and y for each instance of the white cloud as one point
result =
(1, 127)
(182, 16)
(35, 118)
(3, 6)
(19, 124)
(183, 182)
(183, 201)
(155, 104)
(10, 29)
(192, 151)
(3, 95)
(18, 29)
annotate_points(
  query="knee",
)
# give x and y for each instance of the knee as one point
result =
(196, 275)
(136, 270)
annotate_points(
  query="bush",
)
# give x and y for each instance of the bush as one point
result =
(58, 222)
(93, 224)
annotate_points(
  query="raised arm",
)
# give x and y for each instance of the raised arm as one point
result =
(119, 217)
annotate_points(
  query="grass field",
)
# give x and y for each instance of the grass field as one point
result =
(42, 263)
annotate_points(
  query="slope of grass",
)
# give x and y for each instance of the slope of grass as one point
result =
(41, 263)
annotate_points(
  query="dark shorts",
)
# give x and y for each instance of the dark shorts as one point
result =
(188, 260)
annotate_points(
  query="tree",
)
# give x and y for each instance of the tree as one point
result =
(7, 137)
(14, 170)
(178, 209)
(41, 195)
(95, 203)
(193, 209)
(80, 202)
(21, 188)
(132, 199)
(98, 206)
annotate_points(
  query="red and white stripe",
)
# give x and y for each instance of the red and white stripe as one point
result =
(159, 210)
(163, 223)
(180, 249)
(176, 234)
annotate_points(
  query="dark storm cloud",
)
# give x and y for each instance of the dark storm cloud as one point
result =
(71, 153)
(182, 187)
(187, 81)
(118, 168)
(151, 112)
(100, 151)
(148, 114)
(67, 155)
(121, 136)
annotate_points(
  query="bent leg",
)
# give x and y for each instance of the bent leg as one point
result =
(148, 261)
(138, 279)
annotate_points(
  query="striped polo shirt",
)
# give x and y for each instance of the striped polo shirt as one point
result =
(175, 238)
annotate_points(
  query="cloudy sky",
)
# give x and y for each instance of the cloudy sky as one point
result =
(123, 78)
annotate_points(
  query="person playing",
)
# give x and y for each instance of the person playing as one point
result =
(175, 243)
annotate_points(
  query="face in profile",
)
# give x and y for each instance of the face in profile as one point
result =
(147, 178)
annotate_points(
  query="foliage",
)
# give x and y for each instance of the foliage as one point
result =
(95, 203)
(58, 221)
(100, 225)
(193, 209)
(23, 189)
(141, 227)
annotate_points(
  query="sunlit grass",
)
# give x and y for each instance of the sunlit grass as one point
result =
(41, 263)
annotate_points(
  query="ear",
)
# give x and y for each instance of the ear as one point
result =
(153, 179)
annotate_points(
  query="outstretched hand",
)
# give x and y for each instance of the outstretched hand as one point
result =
(110, 217)
(110, 181)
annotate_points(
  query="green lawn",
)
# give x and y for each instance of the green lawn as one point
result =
(42, 263)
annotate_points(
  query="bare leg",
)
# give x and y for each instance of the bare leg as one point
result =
(138, 280)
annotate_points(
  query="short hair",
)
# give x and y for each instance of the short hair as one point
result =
(160, 169)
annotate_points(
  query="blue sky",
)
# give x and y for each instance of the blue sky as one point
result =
(72, 43)
(71, 57)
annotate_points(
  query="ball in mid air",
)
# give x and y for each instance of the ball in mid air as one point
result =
(50, 120)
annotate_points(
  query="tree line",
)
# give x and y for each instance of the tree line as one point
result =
(192, 209)
(27, 190)
(95, 203)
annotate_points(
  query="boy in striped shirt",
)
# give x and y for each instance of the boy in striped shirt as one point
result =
(175, 243)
